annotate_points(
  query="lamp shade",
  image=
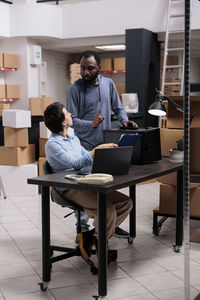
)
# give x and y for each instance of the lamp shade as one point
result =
(157, 108)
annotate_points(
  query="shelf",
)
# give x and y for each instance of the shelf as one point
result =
(8, 99)
(8, 69)
(112, 72)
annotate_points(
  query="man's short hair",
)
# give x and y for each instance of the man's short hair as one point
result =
(89, 53)
(54, 116)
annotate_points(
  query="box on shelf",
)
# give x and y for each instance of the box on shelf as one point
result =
(12, 91)
(15, 137)
(168, 139)
(1, 60)
(119, 63)
(10, 60)
(170, 179)
(42, 142)
(16, 156)
(106, 64)
(194, 150)
(37, 106)
(14, 179)
(2, 91)
(40, 164)
(16, 118)
(171, 61)
(4, 106)
(168, 200)
(120, 88)
(44, 131)
(74, 68)
(175, 117)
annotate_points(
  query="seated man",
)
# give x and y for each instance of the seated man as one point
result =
(64, 153)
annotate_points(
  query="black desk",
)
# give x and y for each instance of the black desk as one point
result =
(137, 174)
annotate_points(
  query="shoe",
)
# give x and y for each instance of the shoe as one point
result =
(108, 251)
(85, 241)
(119, 232)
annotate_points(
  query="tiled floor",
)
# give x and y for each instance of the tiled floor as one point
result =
(148, 269)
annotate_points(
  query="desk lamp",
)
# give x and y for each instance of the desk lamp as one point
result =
(157, 108)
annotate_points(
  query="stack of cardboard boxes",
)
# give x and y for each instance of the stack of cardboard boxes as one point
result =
(17, 156)
(171, 76)
(16, 150)
(168, 138)
(9, 62)
(37, 106)
(74, 73)
(115, 65)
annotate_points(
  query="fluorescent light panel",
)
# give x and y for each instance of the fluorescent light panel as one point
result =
(111, 47)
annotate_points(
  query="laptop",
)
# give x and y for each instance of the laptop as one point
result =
(114, 161)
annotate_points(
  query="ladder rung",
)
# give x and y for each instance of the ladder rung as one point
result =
(177, 16)
(174, 66)
(172, 83)
(175, 49)
(178, 1)
(175, 32)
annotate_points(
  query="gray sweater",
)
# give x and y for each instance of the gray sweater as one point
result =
(84, 101)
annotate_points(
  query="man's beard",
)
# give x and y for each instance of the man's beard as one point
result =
(90, 79)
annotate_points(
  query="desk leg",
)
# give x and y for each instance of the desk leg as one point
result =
(46, 261)
(102, 244)
(179, 211)
(132, 215)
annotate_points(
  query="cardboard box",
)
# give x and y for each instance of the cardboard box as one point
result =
(14, 179)
(75, 68)
(12, 91)
(44, 131)
(168, 139)
(106, 64)
(4, 106)
(120, 88)
(17, 156)
(16, 118)
(119, 63)
(168, 200)
(10, 60)
(2, 91)
(194, 150)
(40, 164)
(42, 142)
(171, 61)
(37, 106)
(1, 60)
(175, 117)
(15, 137)
(170, 179)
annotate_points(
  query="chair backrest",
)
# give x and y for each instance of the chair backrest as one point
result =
(57, 196)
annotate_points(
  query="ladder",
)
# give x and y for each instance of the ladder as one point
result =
(172, 16)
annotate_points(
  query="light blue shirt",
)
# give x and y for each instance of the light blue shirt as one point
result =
(84, 101)
(66, 154)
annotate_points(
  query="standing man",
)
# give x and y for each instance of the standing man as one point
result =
(90, 101)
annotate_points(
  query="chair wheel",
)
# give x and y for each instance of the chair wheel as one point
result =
(130, 240)
(43, 286)
(94, 270)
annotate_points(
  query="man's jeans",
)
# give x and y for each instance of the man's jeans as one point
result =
(84, 221)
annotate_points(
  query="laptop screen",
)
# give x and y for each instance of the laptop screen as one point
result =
(114, 161)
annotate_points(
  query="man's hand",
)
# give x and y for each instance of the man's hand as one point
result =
(130, 124)
(98, 119)
(110, 145)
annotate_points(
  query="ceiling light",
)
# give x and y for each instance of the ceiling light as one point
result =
(111, 47)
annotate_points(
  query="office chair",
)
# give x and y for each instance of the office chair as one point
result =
(57, 197)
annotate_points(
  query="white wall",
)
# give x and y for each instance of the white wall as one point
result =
(57, 79)
(4, 20)
(37, 19)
